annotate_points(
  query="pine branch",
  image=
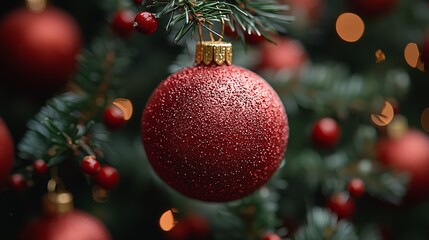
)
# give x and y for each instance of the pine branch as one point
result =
(323, 225)
(65, 127)
(256, 16)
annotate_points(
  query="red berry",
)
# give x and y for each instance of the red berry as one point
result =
(326, 133)
(146, 23)
(17, 182)
(356, 187)
(40, 167)
(342, 205)
(113, 118)
(254, 38)
(107, 177)
(271, 236)
(122, 23)
(90, 165)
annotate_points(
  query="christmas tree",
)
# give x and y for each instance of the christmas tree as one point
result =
(214, 120)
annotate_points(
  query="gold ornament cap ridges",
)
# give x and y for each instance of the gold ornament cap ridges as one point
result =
(208, 52)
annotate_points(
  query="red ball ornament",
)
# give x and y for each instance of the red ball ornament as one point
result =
(90, 165)
(38, 49)
(285, 54)
(325, 133)
(146, 23)
(40, 167)
(408, 153)
(17, 182)
(122, 23)
(113, 118)
(356, 187)
(372, 8)
(6, 153)
(271, 236)
(342, 205)
(107, 177)
(73, 225)
(215, 133)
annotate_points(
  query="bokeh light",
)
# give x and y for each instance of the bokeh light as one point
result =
(379, 56)
(350, 27)
(126, 106)
(385, 116)
(424, 119)
(167, 221)
(412, 54)
(36, 5)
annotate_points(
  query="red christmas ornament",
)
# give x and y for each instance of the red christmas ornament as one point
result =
(193, 227)
(113, 118)
(90, 165)
(286, 54)
(271, 236)
(214, 132)
(38, 49)
(356, 187)
(146, 23)
(107, 177)
(122, 23)
(408, 153)
(372, 8)
(326, 133)
(17, 182)
(6, 153)
(40, 167)
(342, 205)
(73, 225)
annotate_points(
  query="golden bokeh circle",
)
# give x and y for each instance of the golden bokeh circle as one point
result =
(385, 116)
(350, 27)
(412, 54)
(126, 106)
(167, 221)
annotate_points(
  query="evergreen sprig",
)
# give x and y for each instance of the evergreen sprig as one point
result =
(244, 16)
(324, 225)
(66, 127)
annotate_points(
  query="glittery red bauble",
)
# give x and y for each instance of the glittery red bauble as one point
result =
(215, 133)
(409, 153)
(74, 225)
(6, 153)
(372, 8)
(285, 54)
(38, 50)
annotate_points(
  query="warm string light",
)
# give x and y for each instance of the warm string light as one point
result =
(350, 27)
(36, 5)
(379, 56)
(126, 107)
(167, 220)
(385, 116)
(412, 56)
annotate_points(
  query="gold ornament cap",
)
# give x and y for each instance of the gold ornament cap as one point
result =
(55, 202)
(208, 52)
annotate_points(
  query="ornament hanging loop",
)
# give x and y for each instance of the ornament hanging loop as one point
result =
(36, 5)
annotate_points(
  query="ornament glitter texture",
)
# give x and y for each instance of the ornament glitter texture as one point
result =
(214, 132)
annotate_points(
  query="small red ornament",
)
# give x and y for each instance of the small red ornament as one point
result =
(285, 54)
(113, 118)
(40, 167)
(146, 23)
(6, 153)
(122, 23)
(90, 165)
(214, 133)
(356, 187)
(107, 177)
(38, 49)
(342, 205)
(193, 227)
(372, 8)
(271, 236)
(408, 153)
(253, 38)
(17, 182)
(68, 226)
(325, 133)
